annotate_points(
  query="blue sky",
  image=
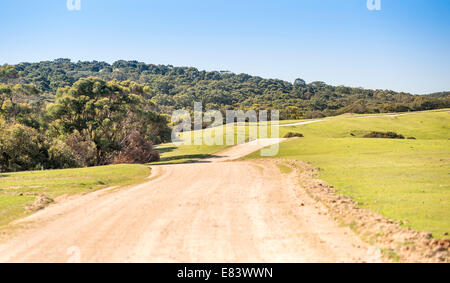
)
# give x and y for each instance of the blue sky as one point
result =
(405, 46)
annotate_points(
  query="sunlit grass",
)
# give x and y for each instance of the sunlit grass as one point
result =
(17, 190)
(406, 180)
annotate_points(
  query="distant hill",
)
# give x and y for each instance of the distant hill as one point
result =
(178, 88)
(440, 94)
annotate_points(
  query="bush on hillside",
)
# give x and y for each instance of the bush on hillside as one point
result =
(83, 149)
(21, 148)
(384, 135)
(135, 149)
(293, 135)
(62, 157)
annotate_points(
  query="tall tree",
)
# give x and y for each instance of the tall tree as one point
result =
(106, 112)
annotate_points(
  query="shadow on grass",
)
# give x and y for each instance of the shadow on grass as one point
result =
(184, 159)
(165, 149)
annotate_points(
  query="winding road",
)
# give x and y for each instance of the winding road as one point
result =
(213, 211)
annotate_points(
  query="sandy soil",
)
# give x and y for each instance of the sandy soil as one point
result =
(203, 212)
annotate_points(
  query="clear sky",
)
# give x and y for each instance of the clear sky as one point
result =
(405, 46)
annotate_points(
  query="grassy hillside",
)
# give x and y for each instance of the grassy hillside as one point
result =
(172, 154)
(336, 127)
(405, 180)
(423, 125)
(18, 190)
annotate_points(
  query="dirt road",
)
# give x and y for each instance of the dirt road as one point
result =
(203, 212)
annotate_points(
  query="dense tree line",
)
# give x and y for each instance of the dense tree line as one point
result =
(178, 87)
(61, 114)
(92, 122)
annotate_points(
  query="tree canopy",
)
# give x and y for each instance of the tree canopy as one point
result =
(89, 123)
(178, 87)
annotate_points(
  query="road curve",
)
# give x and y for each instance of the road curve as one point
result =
(201, 212)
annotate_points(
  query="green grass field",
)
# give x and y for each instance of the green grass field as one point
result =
(407, 180)
(172, 154)
(17, 190)
(177, 154)
(422, 125)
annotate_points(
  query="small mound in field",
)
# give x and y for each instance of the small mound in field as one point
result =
(383, 135)
(40, 203)
(292, 135)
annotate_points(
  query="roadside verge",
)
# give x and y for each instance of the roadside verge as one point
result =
(397, 243)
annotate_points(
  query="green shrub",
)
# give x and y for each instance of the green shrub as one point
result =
(135, 149)
(384, 135)
(21, 148)
(293, 135)
(61, 156)
(82, 148)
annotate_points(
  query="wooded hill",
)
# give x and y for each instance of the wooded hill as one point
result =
(173, 88)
